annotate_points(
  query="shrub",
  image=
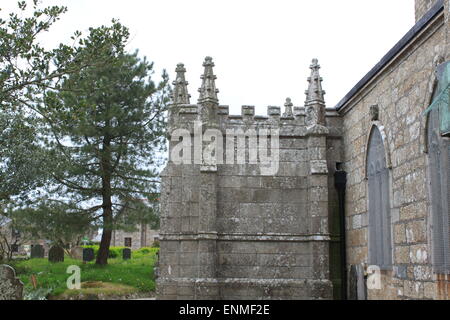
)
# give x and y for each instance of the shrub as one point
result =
(144, 252)
(114, 252)
(155, 244)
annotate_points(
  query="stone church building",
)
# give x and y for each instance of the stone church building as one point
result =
(358, 206)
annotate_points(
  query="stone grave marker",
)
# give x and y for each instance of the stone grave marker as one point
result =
(77, 253)
(126, 254)
(357, 284)
(11, 288)
(56, 254)
(88, 254)
(37, 251)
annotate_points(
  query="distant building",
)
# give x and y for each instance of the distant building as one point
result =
(144, 236)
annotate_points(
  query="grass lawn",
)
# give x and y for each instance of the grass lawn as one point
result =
(135, 274)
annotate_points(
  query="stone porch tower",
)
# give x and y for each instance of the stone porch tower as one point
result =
(231, 231)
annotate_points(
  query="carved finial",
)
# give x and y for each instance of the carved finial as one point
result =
(288, 109)
(315, 93)
(315, 102)
(180, 92)
(208, 89)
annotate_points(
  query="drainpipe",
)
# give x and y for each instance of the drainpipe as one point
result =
(340, 183)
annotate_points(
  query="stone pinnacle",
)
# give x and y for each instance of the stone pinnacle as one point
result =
(180, 91)
(208, 90)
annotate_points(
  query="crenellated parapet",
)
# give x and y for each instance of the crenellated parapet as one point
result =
(212, 114)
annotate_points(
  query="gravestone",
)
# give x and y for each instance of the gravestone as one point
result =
(11, 288)
(353, 283)
(37, 251)
(88, 254)
(357, 287)
(126, 254)
(56, 254)
(77, 253)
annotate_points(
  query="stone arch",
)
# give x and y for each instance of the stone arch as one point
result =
(428, 99)
(376, 125)
(438, 182)
(379, 201)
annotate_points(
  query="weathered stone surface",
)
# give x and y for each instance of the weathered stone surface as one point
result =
(234, 222)
(77, 253)
(422, 7)
(142, 236)
(357, 285)
(319, 167)
(402, 92)
(11, 288)
(37, 251)
(56, 254)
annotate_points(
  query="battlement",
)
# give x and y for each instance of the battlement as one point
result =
(208, 110)
(273, 112)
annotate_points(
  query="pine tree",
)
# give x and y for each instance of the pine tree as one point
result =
(27, 69)
(106, 129)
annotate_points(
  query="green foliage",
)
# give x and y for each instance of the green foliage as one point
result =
(108, 129)
(114, 252)
(134, 213)
(27, 68)
(23, 160)
(145, 251)
(51, 221)
(155, 244)
(27, 71)
(113, 117)
(20, 267)
(137, 273)
(81, 127)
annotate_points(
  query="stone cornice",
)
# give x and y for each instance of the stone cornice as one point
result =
(244, 237)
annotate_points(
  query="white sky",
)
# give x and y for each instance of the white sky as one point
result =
(262, 49)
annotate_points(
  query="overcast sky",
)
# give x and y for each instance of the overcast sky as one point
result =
(262, 49)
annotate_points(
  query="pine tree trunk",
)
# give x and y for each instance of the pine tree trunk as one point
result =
(103, 252)
(102, 255)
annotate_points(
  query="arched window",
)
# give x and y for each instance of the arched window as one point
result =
(439, 176)
(380, 249)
